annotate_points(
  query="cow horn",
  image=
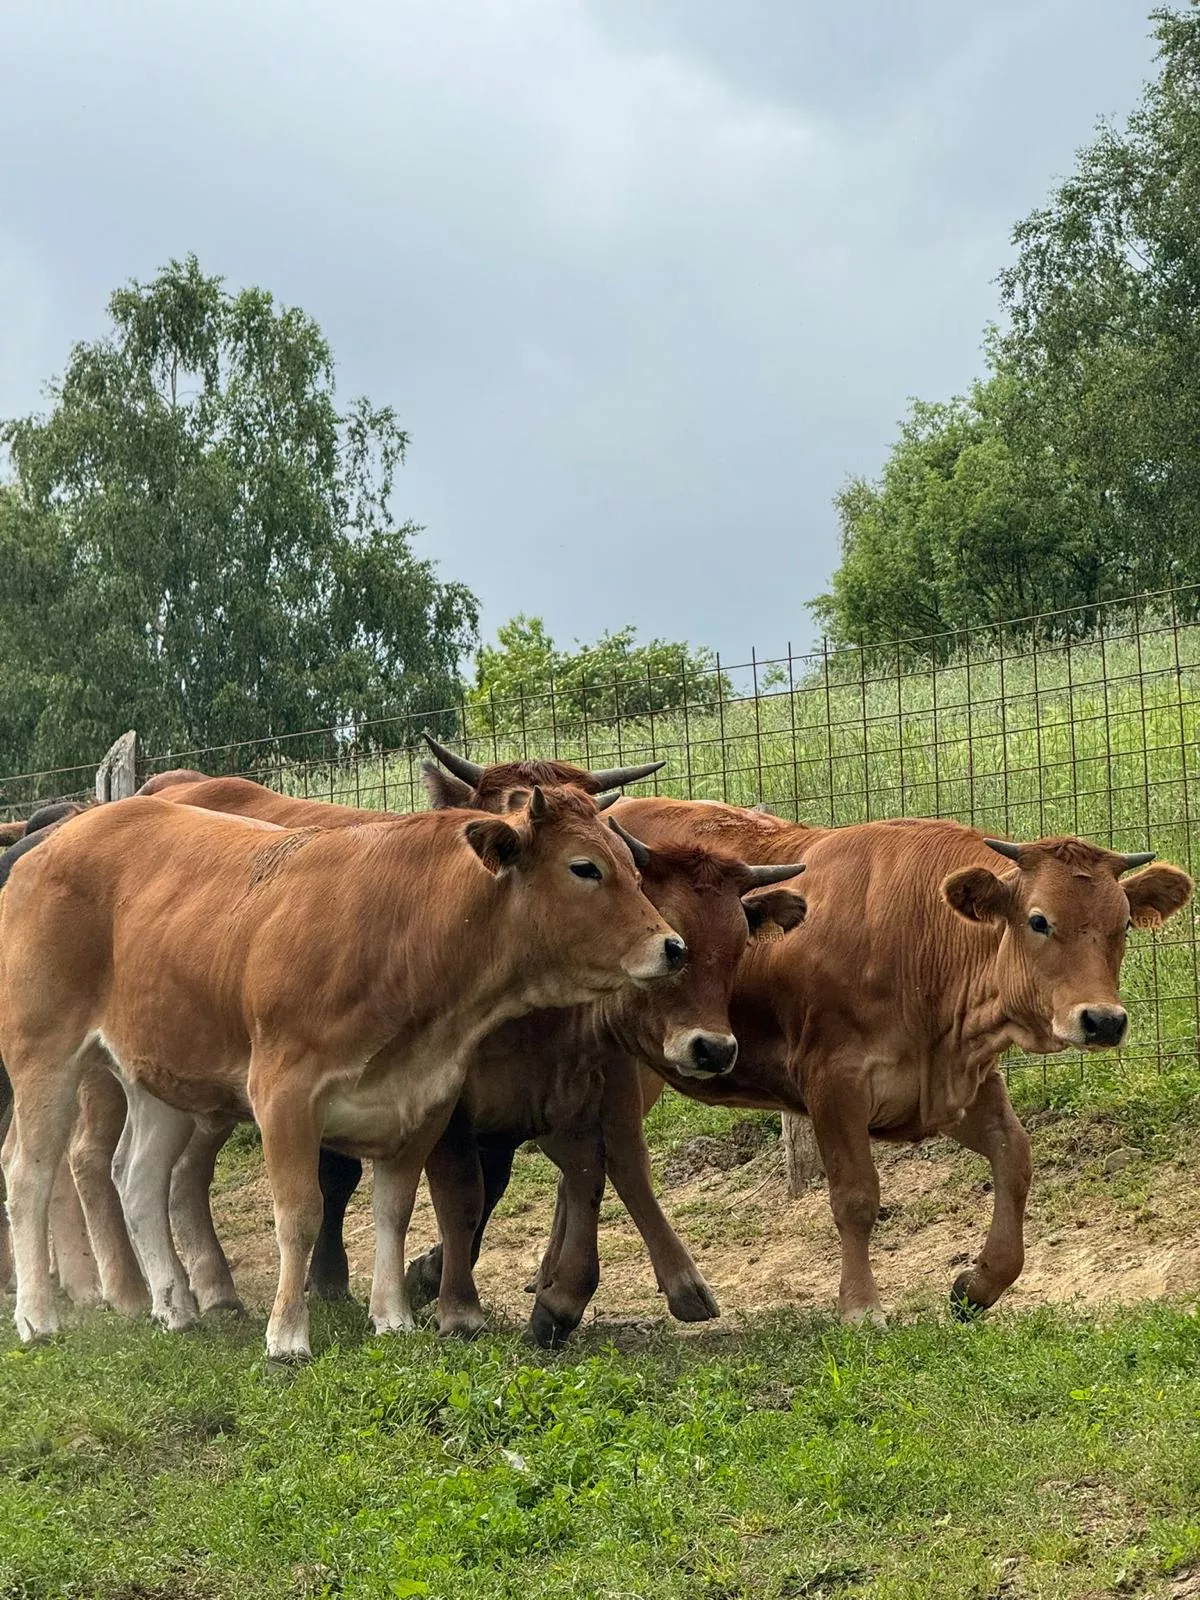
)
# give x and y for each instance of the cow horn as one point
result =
(1139, 858)
(605, 800)
(458, 765)
(1003, 847)
(537, 803)
(639, 852)
(759, 877)
(615, 777)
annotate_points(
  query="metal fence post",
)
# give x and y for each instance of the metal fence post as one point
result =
(116, 776)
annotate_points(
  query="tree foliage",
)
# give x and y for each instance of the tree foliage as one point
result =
(525, 682)
(197, 543)
(1072, 473)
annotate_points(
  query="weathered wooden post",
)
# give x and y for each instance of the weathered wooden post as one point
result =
(800, 1151)
(116, 776)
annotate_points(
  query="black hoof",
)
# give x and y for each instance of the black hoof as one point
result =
(329, 1279)
(550, 1330)
(693, 1302)
(423, 1280)
(962, 1307)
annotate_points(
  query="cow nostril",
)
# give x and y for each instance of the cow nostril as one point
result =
(714, 1053)
(676, 953)
(1089, 1024)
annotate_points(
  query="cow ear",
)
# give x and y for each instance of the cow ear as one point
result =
(495, 843)
(777, 908)
(1156, 894)
(977, 894)
(445, 791)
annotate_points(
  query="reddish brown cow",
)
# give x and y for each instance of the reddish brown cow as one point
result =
(330, 982)
(929, 950)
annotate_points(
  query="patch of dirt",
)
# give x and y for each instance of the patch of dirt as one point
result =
(1092, 1236)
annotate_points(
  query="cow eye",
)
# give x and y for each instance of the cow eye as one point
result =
(587, 869)
(1038, 923)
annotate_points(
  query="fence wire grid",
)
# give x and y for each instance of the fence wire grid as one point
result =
(1080, 722)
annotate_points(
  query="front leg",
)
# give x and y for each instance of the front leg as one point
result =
(562, 1300)
(837, 1103)
(627, 1159)
(990, 1127)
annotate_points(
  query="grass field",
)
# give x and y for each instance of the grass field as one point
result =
(1040, 1455)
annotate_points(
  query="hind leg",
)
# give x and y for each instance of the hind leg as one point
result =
(192, 1220)
(157, 1137)
(71, 1251)
(97, 1134)
(329, 1269)
(43, 1114)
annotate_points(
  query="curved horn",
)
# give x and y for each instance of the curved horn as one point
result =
(1003, 847)
(616, 776)
(759, 877)
(639, 852)
(603, 801)
(458, 765)
(537, 803)
(1139, 858)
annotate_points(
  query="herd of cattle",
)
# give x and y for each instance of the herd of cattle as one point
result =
(431, 990)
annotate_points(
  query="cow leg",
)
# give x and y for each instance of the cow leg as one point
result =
(561, 1302)
(329, 1270)
(157, 1137)
(554, 1244)
(627, 1160)
(425, 1272)
(99, 1128)
(990, 1126)
(8, 1279)
(44, 1112)
(74, 1263)
(840, 1119)
(291, 1141)
(455, 1176)
(192, 1219)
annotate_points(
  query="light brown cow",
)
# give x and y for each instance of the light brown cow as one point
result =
(928, 951)
(330, 982)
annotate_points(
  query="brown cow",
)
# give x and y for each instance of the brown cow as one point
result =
(551, 1075)
(929, 951)
(329, 982)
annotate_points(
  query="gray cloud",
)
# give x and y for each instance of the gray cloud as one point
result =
(644, 278)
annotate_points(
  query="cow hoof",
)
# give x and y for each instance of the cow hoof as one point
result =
(175, 1319)
(289, 1358)
(551, 1329)
(867, 1317)
(225, 1308)
(962, 1307)
(36, 1333)
(397, 1322)
(329, 1280)
(692, 1301)
(423, 1280)
(462, 1325)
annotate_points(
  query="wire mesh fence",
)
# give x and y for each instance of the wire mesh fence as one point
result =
(1081, 722)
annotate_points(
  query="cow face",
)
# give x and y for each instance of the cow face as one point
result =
(506, 786)
(575, 897)
(708, 899)
(1065, 910)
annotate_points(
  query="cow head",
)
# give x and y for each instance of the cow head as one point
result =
(506, 786)
(576, 896)
(710, 900)
(1064, 910)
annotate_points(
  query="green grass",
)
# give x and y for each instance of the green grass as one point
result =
(793, 1458)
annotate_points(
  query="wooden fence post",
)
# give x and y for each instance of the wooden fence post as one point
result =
(116, 776)
(800, 1151)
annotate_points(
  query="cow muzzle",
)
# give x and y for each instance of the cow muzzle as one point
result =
(1095, 1027)
(656, 958)
(693, 1053)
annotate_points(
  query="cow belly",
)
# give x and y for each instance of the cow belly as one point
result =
(377, 1116)
(218, 1091)
(916, 1100)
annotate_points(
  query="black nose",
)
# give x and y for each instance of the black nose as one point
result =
(676, 952)
(1104, 1024)
(714, 1052)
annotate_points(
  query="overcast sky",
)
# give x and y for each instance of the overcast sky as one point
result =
(644, 279)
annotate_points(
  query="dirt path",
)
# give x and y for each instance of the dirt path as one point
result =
(1106, 1224)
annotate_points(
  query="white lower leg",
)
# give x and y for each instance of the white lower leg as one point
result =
(157, 1134)
(393, 1193)
(192, 1220)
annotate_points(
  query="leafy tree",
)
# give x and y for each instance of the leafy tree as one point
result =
(1071, 475)
(970, 521)
(1104, 298)
(198, 544)
(524, 681)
